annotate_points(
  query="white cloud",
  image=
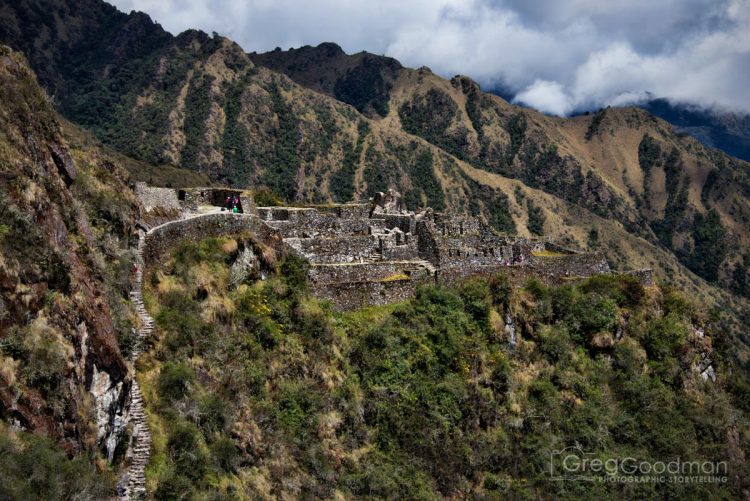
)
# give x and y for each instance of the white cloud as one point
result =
(558, 56)
(546, 96)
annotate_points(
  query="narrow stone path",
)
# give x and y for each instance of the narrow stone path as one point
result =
(139, 449)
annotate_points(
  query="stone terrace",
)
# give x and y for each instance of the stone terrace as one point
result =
(371, 254)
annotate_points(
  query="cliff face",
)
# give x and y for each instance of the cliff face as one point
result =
(65, 218)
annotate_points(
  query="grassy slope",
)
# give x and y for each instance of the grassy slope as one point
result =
(162, 175)
(260, 391)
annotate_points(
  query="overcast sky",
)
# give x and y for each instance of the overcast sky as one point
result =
(558, 56)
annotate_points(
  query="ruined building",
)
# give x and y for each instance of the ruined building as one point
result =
(365, 254)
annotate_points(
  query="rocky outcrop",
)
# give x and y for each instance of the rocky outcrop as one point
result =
(244, 266)
(58, 340)
(64, 162)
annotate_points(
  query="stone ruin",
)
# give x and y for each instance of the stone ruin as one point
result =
(376, 253)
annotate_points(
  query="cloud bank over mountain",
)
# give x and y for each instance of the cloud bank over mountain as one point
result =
(558, 57)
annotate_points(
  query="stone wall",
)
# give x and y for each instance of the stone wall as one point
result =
(157, 198)
(452, 225)
(160, 205)
(354, 248)
(328, 274)
(403, 222)
(462, 246)
(311, 225)
(570, 265)
(355, 295)
(645, 276)
(344, 211)
(395, 244)
(551, 270)
(193, 198)
(167, 236)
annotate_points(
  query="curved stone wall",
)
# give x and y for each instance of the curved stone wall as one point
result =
(194, 229)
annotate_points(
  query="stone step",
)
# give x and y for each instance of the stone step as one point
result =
(139, 449)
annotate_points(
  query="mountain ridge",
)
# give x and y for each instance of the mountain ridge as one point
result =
(200, 102)
(252, 388)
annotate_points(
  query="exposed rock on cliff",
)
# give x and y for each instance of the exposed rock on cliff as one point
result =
(65, 218)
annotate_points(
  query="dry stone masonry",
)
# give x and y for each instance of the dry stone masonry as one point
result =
(133, 485)
(368, 254)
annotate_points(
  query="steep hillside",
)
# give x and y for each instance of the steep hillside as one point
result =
(257, 391)
(253, 389)
(619, 179)
(66, 217)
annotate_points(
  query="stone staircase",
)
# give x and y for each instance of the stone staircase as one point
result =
(431, 269)
(139, 449)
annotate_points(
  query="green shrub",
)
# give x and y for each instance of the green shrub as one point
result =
(430, 116)
(477, 300)
(628, 359)
(45, 369)
(280, 177)
(536, 219)
(425, 182)
(197, 108)
(175, 381)
(536, 288)
(174, 487)
(266, 198)
(314, 325)
(516, 128)
(34, 468)
(225, 454)
(664, 337)
(294, 272)
(593, 314)
(501, 290)
(297, 406)
(625, 290)
(501, 376)
(364, 87)
(554, 343)
(709, 246)
(185, 449)
(342, 181)
(213, 414)
(593, 238)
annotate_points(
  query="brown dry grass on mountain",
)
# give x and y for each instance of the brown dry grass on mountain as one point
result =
(337, 128)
